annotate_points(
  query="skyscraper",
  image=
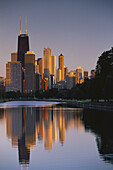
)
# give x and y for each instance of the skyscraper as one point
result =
(61, 65)
(14, 56)
(29, 71)
(13, 76)
(65, 71)
(47, 62)
(85, 74)
(58, 75)
(53, 65)
(80, 71)
(40, 65)
(23, 44)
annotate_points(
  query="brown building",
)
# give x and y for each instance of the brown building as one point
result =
(44, 84)
(85, 74)
(61, 65)
(40, 65)
(47, 62)
(65, 71)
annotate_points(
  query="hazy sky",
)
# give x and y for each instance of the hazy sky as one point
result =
(79, 29)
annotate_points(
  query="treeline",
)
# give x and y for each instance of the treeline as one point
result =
(99, 87)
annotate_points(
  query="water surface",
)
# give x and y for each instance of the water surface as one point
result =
(46, 136)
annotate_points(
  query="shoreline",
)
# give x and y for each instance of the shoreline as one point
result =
(104, 106)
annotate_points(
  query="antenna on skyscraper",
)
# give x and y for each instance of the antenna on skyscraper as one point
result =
(25, 24)
(20, 26)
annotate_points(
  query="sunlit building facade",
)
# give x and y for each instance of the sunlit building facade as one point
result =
(47, 62)
(61, 65)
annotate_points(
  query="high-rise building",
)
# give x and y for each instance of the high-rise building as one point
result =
(14, 56)
(65, 71)
(85, 74)
(58, 74)
(13, 76)
(93, 73)
(40, 65)
(70, 80)
(53, 65)
(29, 71)
(38, 81)
(47, 62)
(61, 65)
(36, 67)
(80, 71)
(23, 45)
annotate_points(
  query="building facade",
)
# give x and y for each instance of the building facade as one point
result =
(29, 71)
(61, 65)
(47, 62)
(14, 76)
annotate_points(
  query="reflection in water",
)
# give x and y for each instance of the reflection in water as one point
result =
(48, 124)
(26, 125)
(101, 124)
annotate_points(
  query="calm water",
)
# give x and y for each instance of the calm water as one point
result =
(40, 135)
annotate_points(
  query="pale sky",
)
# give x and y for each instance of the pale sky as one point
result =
(79, 29)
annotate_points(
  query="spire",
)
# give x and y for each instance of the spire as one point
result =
(20, 26)
(25, 24)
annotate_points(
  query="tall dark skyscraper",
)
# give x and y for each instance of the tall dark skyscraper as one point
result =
(23, 44)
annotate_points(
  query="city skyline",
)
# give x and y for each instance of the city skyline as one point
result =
(80, 30)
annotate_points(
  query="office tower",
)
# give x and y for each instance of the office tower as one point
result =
(23, 45)
(29, 71)
(47, 62)
(65, 71)
(61, 65)
(53, 65)
(58, 74)
(40, 65)
(38, 81)
(80, 71)
(14, 56)
(44, 84)
(13, 76)
(70, 80)
(85, 74)
(93, 73)
(77, 78)
(36, 67)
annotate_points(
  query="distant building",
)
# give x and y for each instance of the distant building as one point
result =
(53, 66)
(58, 74)
(80, 71)
(40, 65)
(23, 47)
(47, 62)
(61, 65)
(36, 67)
(2, 81)
(29, 71)
(85, 74)
(44, 84)
(70, 80)
(77, 78)
(60, 85)
(14, 76)
(38, 81)
(93, 73)
(14, 56)
(65, 71)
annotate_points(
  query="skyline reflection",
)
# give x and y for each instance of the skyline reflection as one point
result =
(25, 125)
(30, 126)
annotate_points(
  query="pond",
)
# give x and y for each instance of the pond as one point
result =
(44, 135)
